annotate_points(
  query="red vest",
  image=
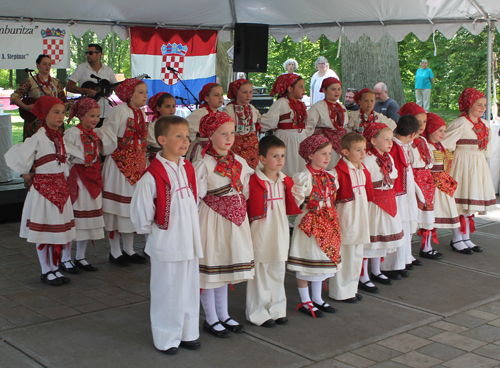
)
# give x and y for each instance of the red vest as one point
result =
(162, 201)
(345, 193)
(400, 163)
(257, 203)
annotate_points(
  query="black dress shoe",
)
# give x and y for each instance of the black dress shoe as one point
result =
(477, 249)
(404, 273)
(120, 261)
(325, 308)
(73, 270)
(210, 328)
(381, 280)
(432, 254)
(409, 267)
(463, 251)
(233, 328)
(55, 282)
(394, 275)
(88, 267)
(359, 297)
(170, 351)
(368, 289)
(352, 300)
(135, 258)
(306, 310)
(417, 262)
(269, 323)
(281, 321)
(190, 345)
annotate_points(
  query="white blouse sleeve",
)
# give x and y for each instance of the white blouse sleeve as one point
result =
(313, 118)
(201, 172)
(114, 120)
(142, 207)
(21, 156)
(194, 122)
(270, 119)
(246, 173)
(301, 187)
(108, 139)
(453, 133)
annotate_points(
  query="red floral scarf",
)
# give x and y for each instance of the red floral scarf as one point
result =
(336, 114)
(228, 166)
(244, 116)
(323, 188)
(299, 113)
(58, 140)
(47, 86)
(140, 125)
(482, 132)
(385, 163)
(90, 144)
(366, 120)
(421, 145)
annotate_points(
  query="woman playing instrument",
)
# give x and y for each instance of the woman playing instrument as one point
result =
(31, 89)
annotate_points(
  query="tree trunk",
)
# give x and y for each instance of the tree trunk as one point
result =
(365, 63)
(222, 66)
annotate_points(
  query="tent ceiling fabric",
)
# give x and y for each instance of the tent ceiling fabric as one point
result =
(296, 18)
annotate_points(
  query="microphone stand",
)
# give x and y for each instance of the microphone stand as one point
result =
(184, 103)
(197, 103)
(38, 84)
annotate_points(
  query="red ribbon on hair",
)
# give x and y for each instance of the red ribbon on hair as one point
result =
(309, 304)
(56, 252)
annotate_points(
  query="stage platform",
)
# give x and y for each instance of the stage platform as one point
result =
(12, 195)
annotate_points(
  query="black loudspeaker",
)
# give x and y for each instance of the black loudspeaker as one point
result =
(250, 47)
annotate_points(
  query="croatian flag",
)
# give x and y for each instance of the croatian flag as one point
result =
(191, 53)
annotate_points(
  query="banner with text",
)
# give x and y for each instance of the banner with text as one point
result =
(21, 43)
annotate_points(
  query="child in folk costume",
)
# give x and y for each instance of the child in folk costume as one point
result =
(211, 97)
(360, 119)
(446, 214)
(315, 249)
(85, 181)
(123, 169)
(270, 201)
(164, 205)
(394, 265)
(161, 104)
(288, 117)
(246, 116)
(222, 179)
(47, 214)
(468, 137)
(386, 228)
(328, 117)
(355, 190)
(421, 162)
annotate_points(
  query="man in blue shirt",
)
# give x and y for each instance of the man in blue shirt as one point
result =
(423, 84)
(385, 105)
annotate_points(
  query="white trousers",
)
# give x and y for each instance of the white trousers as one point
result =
(266, 298)
(344, 284)
(423, 97)
(402, 256)
(175, 302)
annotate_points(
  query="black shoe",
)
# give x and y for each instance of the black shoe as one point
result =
(352, 300)
(369, 289)
(359, 297)
(381, 280)
(417, 262)
(463, 251)
(55, 282)
(324, 308)
(477, 249)
(306, 309)
(269, 323)
(135, 258)
(71, 270)
(394, 275)
(409, 267)
(170, 351)
(88, 267)
(210, 328)
(404, 273)
(281, 321)
(233, 328)
(432, 254)
(190, 345)
(120, 261)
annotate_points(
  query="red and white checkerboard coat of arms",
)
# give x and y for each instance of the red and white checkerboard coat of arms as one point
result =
(173, 57)
(53, 44)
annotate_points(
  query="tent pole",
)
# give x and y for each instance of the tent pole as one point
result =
(489, 61)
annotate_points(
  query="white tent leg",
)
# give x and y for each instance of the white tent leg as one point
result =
(489, 61)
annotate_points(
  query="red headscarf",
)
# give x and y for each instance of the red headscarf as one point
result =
(234, 88)
(203, 93)
(281, 85)
(468, 97)
(411, 108)
(327, 82)
(43, 106)
(357, 96)
(371, 131)
(434, 122)
(126, 89)
(152, 104)
(309, 145)
(82, 106)
(210, 122)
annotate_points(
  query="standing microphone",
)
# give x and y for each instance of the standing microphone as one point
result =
(27, 70)
(172, 69)
(180, 98)
(95, 77)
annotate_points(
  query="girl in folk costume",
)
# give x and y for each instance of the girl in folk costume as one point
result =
(222, 179)
(315, 249)
(47, 214)
(445, 209)
(287, 116)
(85, 181)
(469, 138)
(329, 118)
(211, 97)
(421, 162)
(161, 104)
(123, 168)
(359, 120)
(386, 228)
(245, 115)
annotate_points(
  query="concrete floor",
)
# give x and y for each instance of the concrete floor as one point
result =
(446, 314)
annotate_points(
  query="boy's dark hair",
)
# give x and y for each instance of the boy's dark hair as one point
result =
(164, 123)
(407, 125)
(96, 46)
(349, 139)
(40, 58)
(268, 142)
(162, 99)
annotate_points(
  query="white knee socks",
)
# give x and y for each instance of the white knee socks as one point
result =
(466, 235)
(316, 292)
(427, 246)
(207, 298)
(457, 239)
(375, 267)
(128, 243)
(221, 305)
(81, 247)
(44, 259)
(66, 253)
(365, 276)
(114, 245)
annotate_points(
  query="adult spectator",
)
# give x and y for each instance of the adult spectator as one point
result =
(291, 66)
(349, 102)
(385, 105)
(323, 72)
(424, 78)
(82, 74)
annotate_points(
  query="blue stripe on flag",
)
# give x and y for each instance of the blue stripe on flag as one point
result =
(194, 85)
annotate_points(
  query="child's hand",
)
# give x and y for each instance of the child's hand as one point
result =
(28, 178)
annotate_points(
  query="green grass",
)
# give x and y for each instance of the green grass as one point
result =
(447, 115)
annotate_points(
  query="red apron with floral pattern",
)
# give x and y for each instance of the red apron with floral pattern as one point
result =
(232, 207)
(53, 187)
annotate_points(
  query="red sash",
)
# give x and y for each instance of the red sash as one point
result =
(89, 175)
(386, 200)
(53, 187)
